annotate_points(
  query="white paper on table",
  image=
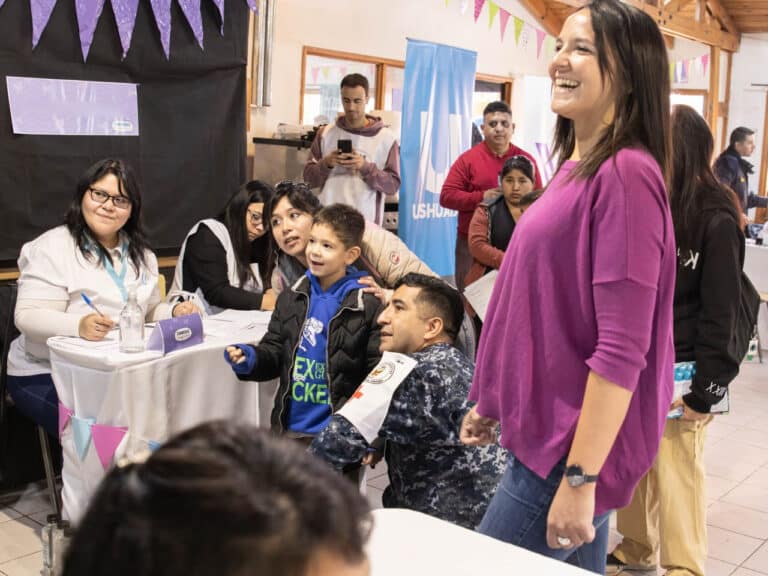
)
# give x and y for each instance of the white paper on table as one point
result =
(228, 323)
(478, 294)
(368, 406)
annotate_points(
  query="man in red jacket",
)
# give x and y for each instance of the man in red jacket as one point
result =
(474, 177)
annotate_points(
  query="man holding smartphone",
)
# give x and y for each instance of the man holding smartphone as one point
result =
(356, 160)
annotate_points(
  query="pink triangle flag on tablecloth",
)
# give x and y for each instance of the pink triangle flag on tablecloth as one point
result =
(478, 8)
(125, 18)
(191, 10)
(64, 415)
(88, 13)
(105, 440)
(540, 35)
(162, 11)
(41, 13)
(503, 20)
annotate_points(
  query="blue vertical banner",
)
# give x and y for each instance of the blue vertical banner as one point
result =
(436, 128)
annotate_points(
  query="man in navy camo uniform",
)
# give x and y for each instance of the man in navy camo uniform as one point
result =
(430, 470)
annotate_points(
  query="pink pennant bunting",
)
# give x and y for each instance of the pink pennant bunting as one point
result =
(503, 19)
(162, 11)
(704, 63)
(686, 67)
(191, 10)
(478, 8)
(41, 13)
(220, 6)
(88, 13)
(125, 17)
(64, 415)
(105, 440)
(315, 71)
(540, 35)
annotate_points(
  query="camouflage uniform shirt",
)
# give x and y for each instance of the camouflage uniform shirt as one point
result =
(430, 470)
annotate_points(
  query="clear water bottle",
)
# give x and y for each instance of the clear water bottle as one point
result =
(132, 324)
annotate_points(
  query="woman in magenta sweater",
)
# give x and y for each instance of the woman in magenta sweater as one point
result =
(583, 305)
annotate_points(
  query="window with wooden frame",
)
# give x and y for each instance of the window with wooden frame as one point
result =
(322, 71)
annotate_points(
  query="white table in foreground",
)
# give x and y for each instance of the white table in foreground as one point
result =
(154, 396)
(756, 267)
(408, 543)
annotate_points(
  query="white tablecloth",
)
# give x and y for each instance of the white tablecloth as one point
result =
(408, 543)
(756, 267)
(154, 396)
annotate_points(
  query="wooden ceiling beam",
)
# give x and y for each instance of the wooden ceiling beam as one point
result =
(548, 18)
(719, 12)
(673, 6)
(679, 25)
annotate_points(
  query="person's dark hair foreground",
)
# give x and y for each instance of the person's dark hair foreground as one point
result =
(223, 499)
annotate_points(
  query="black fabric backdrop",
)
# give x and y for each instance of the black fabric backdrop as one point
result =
(190, 154)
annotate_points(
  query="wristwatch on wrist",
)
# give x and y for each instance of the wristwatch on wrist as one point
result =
(576, 477)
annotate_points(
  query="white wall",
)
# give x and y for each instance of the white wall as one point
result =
(380, 28)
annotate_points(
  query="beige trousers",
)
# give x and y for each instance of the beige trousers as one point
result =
(668, 512)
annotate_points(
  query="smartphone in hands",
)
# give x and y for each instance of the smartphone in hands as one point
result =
(344, 146)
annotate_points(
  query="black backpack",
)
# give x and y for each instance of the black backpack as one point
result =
(746, 320)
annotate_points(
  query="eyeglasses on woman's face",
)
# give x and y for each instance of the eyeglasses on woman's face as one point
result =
(101, 197)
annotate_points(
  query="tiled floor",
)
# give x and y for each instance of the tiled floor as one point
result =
(737, 483)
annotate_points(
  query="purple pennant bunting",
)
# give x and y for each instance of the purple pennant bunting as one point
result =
(162, 11)
(125, 16)
(41, 13)
(88, 12)
(220, 5)
(191, 9)
(1, 3)
(253, 5)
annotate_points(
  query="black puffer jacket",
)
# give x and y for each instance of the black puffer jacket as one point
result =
(707, 296)
(353, 346)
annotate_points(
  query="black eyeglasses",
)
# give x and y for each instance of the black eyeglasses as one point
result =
(101, 197)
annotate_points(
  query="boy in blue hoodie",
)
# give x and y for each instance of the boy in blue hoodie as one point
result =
(323, 338)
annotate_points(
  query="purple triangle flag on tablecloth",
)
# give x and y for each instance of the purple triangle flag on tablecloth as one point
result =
(64, 415)
(41, 13)
(162, 11)
(105, 440)
(220, 5)
(88, 12)
(191, 10)
(125, 17)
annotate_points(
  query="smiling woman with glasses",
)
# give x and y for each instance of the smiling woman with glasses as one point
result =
(227, 261)
(100, 252)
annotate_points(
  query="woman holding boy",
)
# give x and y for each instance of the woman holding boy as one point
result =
(323, 338)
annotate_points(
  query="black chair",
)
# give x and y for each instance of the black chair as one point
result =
(20, 456)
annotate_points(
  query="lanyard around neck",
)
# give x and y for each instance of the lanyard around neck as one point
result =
(118, 279)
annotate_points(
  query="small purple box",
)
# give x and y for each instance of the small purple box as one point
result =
(176, 333)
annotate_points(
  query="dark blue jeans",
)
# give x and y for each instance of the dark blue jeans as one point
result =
(518, 513)
(36, 398)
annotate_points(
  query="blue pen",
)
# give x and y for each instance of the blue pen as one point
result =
(90, 304)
